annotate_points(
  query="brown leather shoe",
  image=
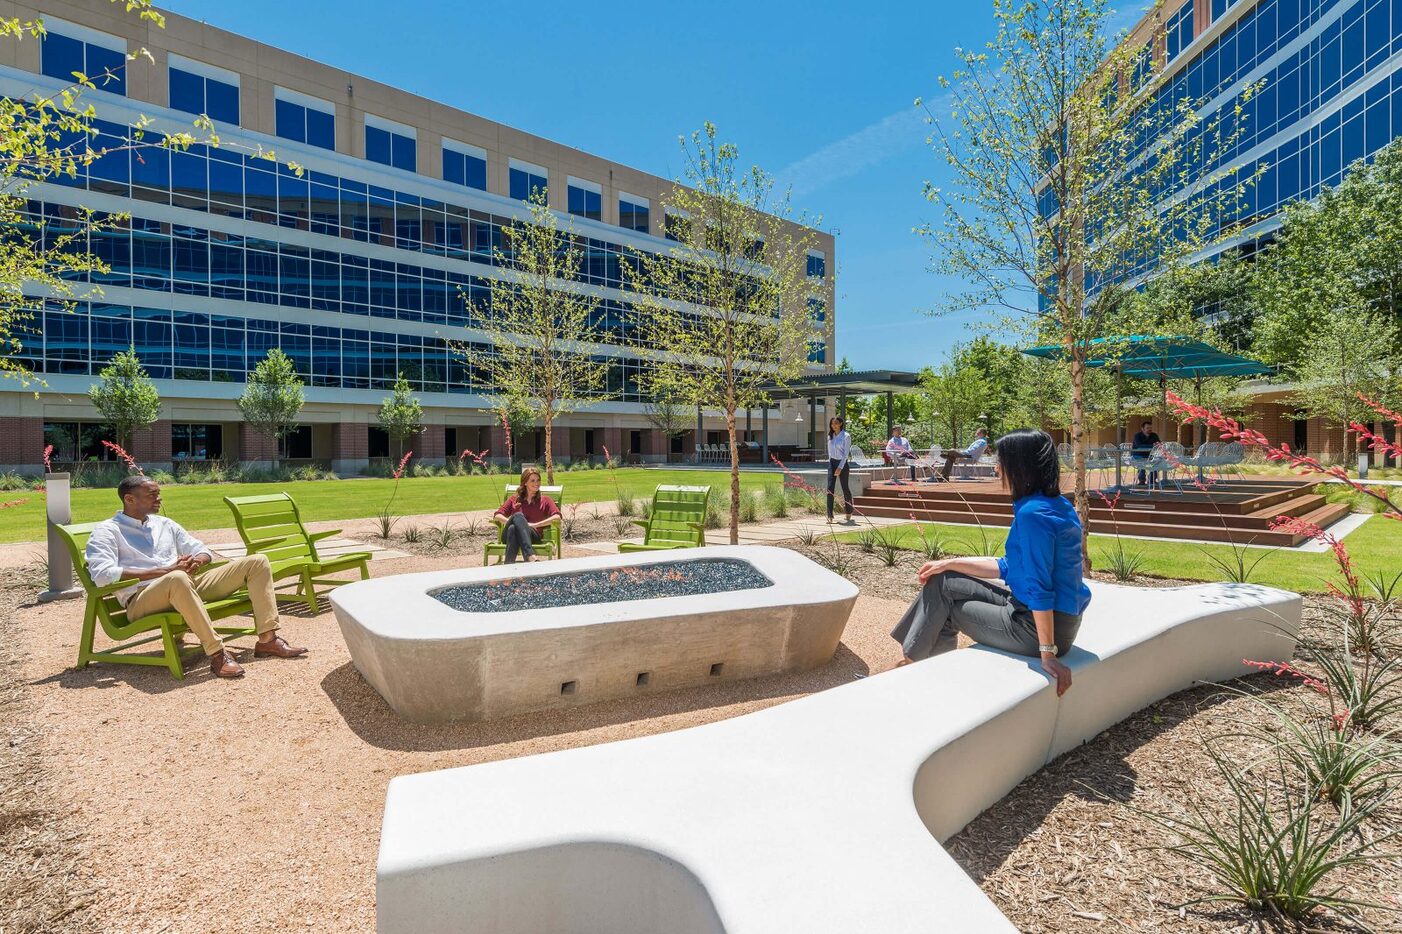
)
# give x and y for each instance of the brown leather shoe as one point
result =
(222, 665)
(276, 646)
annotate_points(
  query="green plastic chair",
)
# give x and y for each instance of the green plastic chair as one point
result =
(103, 607)
(271, 525)
(677, 520)
(550, 540)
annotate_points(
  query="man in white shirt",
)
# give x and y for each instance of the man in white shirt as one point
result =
(972, 452)
(167, 562)
(898, 449)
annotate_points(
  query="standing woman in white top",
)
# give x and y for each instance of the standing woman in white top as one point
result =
(839, 449)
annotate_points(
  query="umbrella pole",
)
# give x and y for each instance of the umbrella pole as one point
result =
(1200, 431)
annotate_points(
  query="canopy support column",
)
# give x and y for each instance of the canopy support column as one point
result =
(699, 434)
(764, 434)
(1119, 424)
(813, 424)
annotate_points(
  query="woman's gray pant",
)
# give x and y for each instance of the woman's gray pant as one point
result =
(951, 603)
(519, 537)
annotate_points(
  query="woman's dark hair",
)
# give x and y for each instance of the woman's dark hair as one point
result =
(1029, 464)
(841, 425)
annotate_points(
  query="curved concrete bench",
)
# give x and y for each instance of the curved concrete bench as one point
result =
(815, 815)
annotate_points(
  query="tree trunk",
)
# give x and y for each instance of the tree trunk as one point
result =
(1078, 447)
(734, 474)
(549, 448)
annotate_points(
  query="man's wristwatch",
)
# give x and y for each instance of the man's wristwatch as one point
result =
(1047, 649)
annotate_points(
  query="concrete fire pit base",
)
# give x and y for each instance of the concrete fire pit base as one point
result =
(432, 663)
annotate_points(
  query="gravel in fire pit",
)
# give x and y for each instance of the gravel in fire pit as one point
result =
(616, 585)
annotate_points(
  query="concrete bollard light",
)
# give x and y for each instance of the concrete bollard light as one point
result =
(59, 506)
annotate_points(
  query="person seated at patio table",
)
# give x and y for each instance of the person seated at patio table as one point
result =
(972, 452)
(898, 449)
(1037, 610)
(1142, 448)
(525, 514)
(169, 564)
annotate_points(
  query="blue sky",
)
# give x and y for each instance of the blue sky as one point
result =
(820, 94)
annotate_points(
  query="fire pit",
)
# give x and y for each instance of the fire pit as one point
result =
(481, 643)
(616, 585)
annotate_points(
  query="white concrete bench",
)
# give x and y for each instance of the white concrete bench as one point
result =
(819, 815)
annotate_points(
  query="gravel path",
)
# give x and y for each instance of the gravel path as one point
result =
(256, 804)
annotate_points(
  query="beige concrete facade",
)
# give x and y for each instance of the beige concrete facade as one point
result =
(263, 68)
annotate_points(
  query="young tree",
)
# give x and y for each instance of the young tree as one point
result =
(742, 261)
(1052, 204)
(125, 397)
(667, 415)
(401, 414)
(1350, 353)
(273, 399)
(541, 324)
(956, 396)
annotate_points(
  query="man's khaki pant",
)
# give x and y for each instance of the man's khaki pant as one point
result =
(186, 595)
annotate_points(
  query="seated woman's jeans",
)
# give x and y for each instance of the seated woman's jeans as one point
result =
(951, 603)
(519, 537)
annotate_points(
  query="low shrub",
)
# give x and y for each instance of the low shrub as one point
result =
(776, 502)
(411, 534)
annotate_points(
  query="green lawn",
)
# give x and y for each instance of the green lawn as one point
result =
(1377, 546)
(202, 506)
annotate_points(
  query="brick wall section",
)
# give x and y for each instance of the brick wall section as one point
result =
(613, 440)
(255, 446)
(428, 444)
(1325, 439)
(350, 441)
(654, 442)
(151, 445)
(1272, 419)
(497, 434)
(560, 443)
(22, 441)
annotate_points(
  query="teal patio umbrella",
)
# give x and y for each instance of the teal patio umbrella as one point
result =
(1157, 358)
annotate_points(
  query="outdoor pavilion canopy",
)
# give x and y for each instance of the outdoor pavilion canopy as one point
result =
(842, 385)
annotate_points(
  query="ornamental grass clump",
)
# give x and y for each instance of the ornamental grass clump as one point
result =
(1125, 562)
(1276, 844)
(776, 502)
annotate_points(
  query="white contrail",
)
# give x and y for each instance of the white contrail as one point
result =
(848, 156)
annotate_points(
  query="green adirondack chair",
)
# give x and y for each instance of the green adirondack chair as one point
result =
(550, 539)
(103, 607)
(677, 520)
(271, 525)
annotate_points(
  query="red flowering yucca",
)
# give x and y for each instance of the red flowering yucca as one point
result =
(477, 457)
(403, 462)
(48, 458)
(1232, 430)
(1286, 670)
(124, 457)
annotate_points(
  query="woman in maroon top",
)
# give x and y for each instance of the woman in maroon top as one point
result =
(525, 513)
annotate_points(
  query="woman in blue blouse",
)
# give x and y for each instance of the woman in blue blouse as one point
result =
(839, 453)
(1038, 611)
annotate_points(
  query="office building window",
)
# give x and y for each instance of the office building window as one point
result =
(525, 179)
(817, 311)
(817, 265)
(304, 119)
(678, 227)
(817, 352)
(633, 213)
(196, 442)
(465, 165)
(200, 89)
(1219, 7)
(586, 199)
(69, 49)
(1180, 31)
(391, 144)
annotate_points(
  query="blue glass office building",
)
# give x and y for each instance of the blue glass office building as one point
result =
(358, 268)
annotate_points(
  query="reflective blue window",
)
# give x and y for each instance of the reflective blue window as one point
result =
(1219, 7)
(305, 124)
(1179, 34)
(585, 203)
(632, 216)
(392, 149)
(523, 184)
(463, 169)
(197, 94)
(817, 266)
(61, 56)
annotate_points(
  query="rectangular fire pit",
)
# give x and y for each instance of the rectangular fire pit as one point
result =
(481, 643)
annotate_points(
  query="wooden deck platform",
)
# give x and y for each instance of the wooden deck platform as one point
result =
(1239, 511)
